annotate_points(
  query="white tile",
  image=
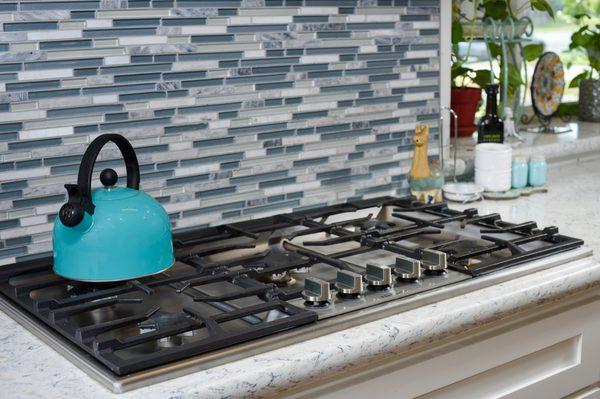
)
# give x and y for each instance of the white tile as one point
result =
(21, 116)
(98, 23)
(33, 220)
(45, 133)
(318, 10)
(279, 19)
(320, 58)
(58, 34)
(196, 169)
(105, 99)
(45, 74)
(7, 261)
(24, 173)
(117, 60)
(240, 20)
(141, 40)
(203, 29)
(255, 53)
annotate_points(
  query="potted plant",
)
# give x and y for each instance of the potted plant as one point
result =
(467, 28)
(587, 40)
(466, 82)
(466, 96)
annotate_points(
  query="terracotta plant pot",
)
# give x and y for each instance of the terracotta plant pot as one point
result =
(465, 101)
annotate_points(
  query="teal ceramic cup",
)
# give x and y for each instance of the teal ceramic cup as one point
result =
(538, 169)
(520, 171)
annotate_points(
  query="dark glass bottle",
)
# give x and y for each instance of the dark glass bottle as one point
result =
(491, 127)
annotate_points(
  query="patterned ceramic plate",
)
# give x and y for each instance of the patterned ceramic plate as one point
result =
(548, 84)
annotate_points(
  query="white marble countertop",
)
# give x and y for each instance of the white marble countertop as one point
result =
(582, 140)
(30, 369)
(572, 202)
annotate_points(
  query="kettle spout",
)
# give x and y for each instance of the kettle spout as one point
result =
(73, 213)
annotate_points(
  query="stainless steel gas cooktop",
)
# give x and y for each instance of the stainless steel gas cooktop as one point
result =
(239, 289)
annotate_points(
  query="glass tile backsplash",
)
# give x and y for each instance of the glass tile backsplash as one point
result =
(237, 109)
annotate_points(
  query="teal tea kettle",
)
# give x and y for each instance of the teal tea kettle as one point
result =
(111, 233)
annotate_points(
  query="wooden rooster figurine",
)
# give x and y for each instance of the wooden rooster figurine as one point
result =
(425, 182)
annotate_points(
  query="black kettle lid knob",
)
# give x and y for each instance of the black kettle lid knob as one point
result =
(108, 177)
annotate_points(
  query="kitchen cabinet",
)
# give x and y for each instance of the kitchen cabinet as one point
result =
(552, 352)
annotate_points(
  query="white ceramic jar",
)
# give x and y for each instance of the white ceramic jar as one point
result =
(493, 166)
(493, 156)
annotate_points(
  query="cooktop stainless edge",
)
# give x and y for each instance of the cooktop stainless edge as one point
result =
(327, 326)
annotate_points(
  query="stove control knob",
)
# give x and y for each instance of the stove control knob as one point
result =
(348, 284)
(434, 261)
(407, 269)
(378, 276)
(316, 292)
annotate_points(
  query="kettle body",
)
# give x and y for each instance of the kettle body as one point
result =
(111, 233)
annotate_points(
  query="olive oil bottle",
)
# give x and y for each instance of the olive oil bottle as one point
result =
(491, 127)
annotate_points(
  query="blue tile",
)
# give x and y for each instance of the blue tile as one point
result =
(65, 44)
(90, 110)
(29, 26)
(82, 63)
(212, 38)
(257, 177)
(215, 192)
(42, 84)
(211, 209)
(119, 32)
(31, 202)
(60, 5)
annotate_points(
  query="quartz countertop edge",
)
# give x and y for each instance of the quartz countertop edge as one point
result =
(31, 369)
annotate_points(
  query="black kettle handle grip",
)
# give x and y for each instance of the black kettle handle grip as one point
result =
(84, 180)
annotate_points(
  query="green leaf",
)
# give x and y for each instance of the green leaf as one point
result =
(542, 5)
(533, 51)
(514, 79)
(457, 32)
(482, 77)
(458, 71)
(568, 109)
(495, 50)
(495, 9)
(577, 79)
(580, 16)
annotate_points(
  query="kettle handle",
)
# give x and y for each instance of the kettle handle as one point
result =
(84, 179)
(80, 194)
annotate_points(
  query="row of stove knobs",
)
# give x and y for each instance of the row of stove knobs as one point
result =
(349, 285)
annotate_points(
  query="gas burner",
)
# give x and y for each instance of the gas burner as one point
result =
(283, 279)
(80, 288)
(373, 225)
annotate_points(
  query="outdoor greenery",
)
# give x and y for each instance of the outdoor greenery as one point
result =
(587, 40)
(498, 10)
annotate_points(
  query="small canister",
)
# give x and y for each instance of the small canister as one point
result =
(519, 172)
(538, 168)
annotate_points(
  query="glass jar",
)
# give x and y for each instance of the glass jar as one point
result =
(538, 168)
(519, 172)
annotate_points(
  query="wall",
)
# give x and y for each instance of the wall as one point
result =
(237, 109)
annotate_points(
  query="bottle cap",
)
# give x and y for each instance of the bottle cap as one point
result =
(520, 159)
(492, 89)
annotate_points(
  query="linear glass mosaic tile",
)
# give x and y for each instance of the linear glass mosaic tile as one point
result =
(236, 108)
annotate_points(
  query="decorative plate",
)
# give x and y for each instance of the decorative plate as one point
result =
(548, 84)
